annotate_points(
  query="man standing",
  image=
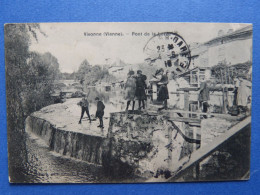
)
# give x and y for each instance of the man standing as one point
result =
(84, 108)
(100, 112)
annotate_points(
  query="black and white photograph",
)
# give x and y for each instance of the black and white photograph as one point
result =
(128, 102)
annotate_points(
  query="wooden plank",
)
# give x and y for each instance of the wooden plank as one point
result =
(203, 152)
(210, 88)
(188, 89)
(227, 116)
(185, 120)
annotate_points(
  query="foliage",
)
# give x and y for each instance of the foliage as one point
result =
(29, 75)
(84, 68)
(225, 74)
(68, 76)
(91, 75)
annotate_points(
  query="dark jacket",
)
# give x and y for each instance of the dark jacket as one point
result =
(100, 109)
(204, 92)
(163, 93)
(140, 87)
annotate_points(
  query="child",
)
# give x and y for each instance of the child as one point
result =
(130, 88)
(100, 112)
(84, 107)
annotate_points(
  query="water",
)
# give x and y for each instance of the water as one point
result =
(43, 165)
(40, 165)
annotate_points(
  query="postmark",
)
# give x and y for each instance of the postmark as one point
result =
(170, 49)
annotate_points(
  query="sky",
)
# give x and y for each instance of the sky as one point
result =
(67, 42)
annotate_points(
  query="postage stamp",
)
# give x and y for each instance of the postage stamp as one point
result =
(128, 102)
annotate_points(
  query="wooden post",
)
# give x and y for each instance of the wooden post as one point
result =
(186, 102)
(229, 79)
(196, 135)
(111, 123)
(194, 148)
(170, 146)
(225, 100)
(225, 80)
(232, 76)
(198, 78)
(154, 89)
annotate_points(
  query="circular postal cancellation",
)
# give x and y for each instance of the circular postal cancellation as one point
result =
(168, 50)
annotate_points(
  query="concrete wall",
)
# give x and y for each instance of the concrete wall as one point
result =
(68, 143)
(138, 144)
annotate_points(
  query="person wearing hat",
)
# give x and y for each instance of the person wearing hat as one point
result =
(243, 94)
(100, 111)
(163, 94)
(84, 104)
(140, 89)
(130, 88)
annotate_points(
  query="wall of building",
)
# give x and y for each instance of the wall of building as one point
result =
(234, 52)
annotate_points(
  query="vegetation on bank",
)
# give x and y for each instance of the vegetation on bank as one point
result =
(29, 75)
(88, 74)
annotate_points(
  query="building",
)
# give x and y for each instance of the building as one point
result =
(231, 48)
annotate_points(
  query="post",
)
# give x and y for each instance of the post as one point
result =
(186, 102)
(170, 146)
(111, 123)
(154, 93)
(225, 100)
(223, 91)
(196, 135)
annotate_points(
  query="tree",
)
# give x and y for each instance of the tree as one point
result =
(42, 71)
(29, 75)
(16, 53)
(84, 68)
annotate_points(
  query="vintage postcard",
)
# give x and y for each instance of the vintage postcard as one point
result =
(128, 102)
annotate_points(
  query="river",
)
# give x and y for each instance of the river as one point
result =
(40, 165)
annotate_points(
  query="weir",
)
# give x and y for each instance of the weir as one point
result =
(68, 143)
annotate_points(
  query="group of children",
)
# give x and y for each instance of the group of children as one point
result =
(84, 104)
(135, 87)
